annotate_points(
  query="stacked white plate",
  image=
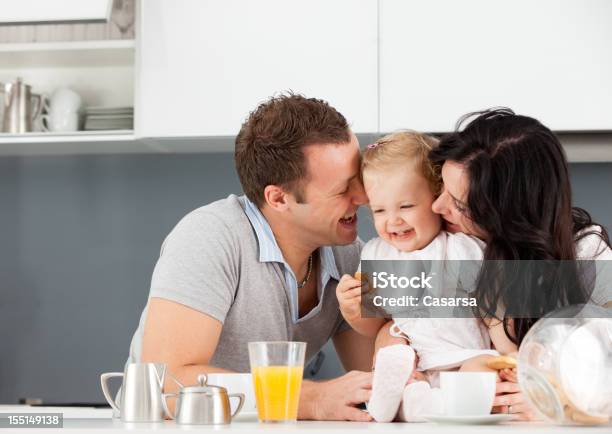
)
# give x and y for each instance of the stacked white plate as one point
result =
(109, 118)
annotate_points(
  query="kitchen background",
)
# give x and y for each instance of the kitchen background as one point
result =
(81, 233)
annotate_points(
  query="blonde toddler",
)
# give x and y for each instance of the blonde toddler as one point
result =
(401, 185)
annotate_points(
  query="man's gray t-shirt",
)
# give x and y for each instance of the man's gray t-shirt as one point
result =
(210, 262)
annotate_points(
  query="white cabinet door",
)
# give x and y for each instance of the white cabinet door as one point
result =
(48, 11)
(550, 59)
(204, 64)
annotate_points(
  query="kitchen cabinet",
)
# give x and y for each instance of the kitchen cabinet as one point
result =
(100, 71)
(204, 64)
(197, 67)
(549, 59)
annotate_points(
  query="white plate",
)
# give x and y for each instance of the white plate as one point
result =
(488, 419)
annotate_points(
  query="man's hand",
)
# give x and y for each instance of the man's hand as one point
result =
(336, 399)
(348, 292)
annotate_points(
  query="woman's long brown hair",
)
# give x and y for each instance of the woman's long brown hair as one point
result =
(520, 196)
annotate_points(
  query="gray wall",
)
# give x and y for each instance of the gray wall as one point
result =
(80, 237)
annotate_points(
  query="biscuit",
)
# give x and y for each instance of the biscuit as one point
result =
(502, 362)
(571, 412)
(584, 418)
(364, 278)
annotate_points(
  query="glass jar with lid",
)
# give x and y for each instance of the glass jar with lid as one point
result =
(565, 365)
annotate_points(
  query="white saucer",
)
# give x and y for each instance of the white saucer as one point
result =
(488, 419)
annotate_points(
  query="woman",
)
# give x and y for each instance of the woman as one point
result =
(506, 181)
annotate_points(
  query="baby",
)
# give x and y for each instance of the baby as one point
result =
(401, 186)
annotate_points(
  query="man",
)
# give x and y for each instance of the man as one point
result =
(264, 266)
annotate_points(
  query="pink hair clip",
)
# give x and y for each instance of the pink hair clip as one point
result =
(372, 145)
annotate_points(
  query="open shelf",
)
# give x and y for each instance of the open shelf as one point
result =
(78, 143)
(71, 53)
(77, 136)
(101, 72)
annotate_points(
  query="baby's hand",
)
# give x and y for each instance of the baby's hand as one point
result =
(348, 293)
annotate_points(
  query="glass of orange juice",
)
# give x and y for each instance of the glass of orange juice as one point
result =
(277, 369)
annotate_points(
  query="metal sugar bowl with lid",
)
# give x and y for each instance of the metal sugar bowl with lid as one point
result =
(565, 366)
(203, 404)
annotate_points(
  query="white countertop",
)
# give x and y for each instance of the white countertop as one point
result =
(67, 412)
(249, 424)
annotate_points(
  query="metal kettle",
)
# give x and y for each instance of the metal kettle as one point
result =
(17, 107)
(203, 404)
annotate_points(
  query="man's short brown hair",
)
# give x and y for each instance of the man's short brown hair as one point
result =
(270, 144)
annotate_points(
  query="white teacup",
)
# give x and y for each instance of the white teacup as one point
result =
(468, 393)
(236, 383)
(60, 122)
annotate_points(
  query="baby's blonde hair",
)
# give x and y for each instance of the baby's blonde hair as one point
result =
(404, 148)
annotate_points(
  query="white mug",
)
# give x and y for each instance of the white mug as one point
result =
(236, 383)
(62, 111)
(65, 100)
(468, 393)
(60, 122)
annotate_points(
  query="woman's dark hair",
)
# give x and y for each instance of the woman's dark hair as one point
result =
(520, 196)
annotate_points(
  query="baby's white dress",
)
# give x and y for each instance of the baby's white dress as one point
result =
(440, 343)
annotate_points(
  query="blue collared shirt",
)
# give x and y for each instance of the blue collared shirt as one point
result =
(270, 252)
